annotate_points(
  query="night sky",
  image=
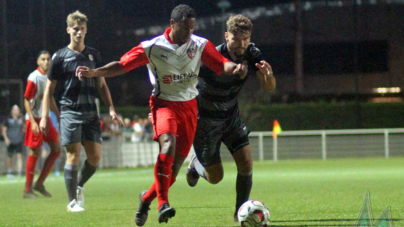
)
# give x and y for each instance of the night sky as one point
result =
(26, 36)
(17, 11)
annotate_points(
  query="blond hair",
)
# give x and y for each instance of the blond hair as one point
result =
(239, 23)
(76, 17)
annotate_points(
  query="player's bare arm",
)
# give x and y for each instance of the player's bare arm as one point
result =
(54, 107)
(266, 76)
(4, 131)
(232, 68)
(34, 125)
(49, 90)
(103, 90)
(109, 70)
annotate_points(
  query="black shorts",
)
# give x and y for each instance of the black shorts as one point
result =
(210, 133)
(72, 131)
(15, 148)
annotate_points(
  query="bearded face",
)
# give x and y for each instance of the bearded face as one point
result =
(237, 43)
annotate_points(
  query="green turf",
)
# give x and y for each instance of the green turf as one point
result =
(298, 193)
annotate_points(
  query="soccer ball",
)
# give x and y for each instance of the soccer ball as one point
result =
(253, 213)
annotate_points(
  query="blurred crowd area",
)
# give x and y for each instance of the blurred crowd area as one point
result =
(135, 129)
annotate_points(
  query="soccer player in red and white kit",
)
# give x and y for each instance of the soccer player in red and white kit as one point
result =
(173, 60)
(33, 136)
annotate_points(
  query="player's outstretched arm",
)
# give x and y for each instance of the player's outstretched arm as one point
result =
(266, 76)
(109, 70)
(214, 60)
(105, 94)
(231, 68)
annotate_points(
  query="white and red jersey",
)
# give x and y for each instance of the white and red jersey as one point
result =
(34, 92)
(174, 69)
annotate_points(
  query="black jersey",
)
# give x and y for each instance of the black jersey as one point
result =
(218, 94)
(76, 98)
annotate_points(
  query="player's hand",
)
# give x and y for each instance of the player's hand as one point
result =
(84, 71)
(265, 69)
(35, 127)
(241, 70)
(116, 117)
(44, 125)
(7, 141)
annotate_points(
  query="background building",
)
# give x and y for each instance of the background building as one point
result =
(332, 50)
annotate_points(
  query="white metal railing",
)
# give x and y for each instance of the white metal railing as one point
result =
(316, 144)
(323, 137)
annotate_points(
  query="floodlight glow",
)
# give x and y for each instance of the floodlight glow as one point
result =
(384, 90)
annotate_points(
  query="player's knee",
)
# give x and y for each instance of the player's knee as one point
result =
(167, 147)
(245, 166)
(215, 179)
(35, 152)
(94, 160)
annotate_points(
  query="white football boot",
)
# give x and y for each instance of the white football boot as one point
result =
(74, 207)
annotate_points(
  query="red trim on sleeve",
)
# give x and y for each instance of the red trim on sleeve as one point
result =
(213, 59)
(31, 90)
(134, 58)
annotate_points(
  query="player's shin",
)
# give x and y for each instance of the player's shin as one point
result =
(243, 188)
(48, 164)
(70, 173)
(162, 175)
(87, 171)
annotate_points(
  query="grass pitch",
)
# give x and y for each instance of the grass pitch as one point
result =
(297, 192)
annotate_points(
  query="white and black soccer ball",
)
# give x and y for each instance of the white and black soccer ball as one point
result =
(253, 213)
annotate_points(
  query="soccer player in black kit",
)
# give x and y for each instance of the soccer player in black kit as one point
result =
(79, 121)
(219, 119)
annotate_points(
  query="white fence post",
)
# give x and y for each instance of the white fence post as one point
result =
(275, 148)
(386, 143)
(261, 146)
(324, 145)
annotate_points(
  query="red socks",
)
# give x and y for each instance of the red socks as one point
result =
(47, 166)
(162, 180)
(29, 173)
(151, 194)
(30, 170)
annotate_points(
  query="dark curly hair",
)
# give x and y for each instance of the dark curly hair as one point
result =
(239, 23)
(42, 52)
(181, 12)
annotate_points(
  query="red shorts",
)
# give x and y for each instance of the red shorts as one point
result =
(177, 118)
(34, 141)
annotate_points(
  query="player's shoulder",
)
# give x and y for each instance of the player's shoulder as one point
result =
(61, 53)
(159, 40)
(199, 40)
(221, 48)
(33, 75)
(92, 50)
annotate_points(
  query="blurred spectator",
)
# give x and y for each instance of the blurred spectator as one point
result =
(127, 129)
(148, 130)
(138, 128)
(135, 119)
(115, 127)
(106, 124)
(13, 132)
